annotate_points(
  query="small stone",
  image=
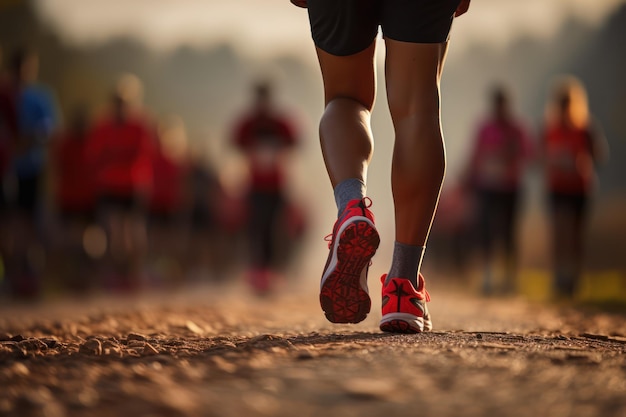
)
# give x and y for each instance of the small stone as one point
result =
(194, 328)
(15, 349)
(149, 350)
(17, 338)
(110, 348)
(229, 344)
(50, 342)
(72, 347)
(136, 344)
(32, 345)
(91, 347)
(136, 336)
(110, 343)
(479, 336)
(264, 338)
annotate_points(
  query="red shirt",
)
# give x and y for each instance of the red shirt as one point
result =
(121, 154)
(569, 160)
(75, 190)
(169, 177)
(264, 138)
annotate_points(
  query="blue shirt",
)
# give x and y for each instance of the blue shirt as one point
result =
(37, 120)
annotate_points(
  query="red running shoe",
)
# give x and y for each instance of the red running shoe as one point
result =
(404, 307)
(343, 291)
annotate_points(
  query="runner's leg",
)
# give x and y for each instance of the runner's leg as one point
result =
(413, 73)
(345, 133)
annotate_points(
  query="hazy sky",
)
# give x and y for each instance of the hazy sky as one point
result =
(262, 27)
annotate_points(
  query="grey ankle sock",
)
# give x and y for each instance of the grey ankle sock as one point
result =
(348, 190)
(406, 262)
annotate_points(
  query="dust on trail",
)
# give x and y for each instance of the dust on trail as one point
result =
(212, 352)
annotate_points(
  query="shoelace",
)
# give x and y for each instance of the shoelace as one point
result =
(329, 238)
(367, 203)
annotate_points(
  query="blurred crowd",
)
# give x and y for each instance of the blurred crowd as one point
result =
(567, 150)
(117, 201)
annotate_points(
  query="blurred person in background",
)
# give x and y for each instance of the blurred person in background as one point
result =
(37, 120)
(121, 150)
(265, 137)
(573, 147)
(73, 182)
(169, 204)
(8, 136)
(8, 131)
(452, 239)
(216, 217)
(416, 39)
(501, 151)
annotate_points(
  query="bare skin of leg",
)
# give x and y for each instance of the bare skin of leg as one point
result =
(345, 132)
(413, 73)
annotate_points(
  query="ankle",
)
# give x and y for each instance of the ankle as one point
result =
(347, 191)
(406, 262)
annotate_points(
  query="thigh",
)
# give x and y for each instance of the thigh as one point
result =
(344, 33)
(416, 35)
(413, 72)
(352, 77)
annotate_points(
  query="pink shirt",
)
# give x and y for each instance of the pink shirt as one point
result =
(501, 151)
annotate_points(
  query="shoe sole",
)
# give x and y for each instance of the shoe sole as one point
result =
(405, 323)
(343, 293)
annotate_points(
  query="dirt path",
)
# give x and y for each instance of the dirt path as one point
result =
(197, 354)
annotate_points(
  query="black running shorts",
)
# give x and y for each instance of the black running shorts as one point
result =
(345, 27)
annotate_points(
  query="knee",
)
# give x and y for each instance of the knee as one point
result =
(348, 103)
(420, 101)
(424, 125)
